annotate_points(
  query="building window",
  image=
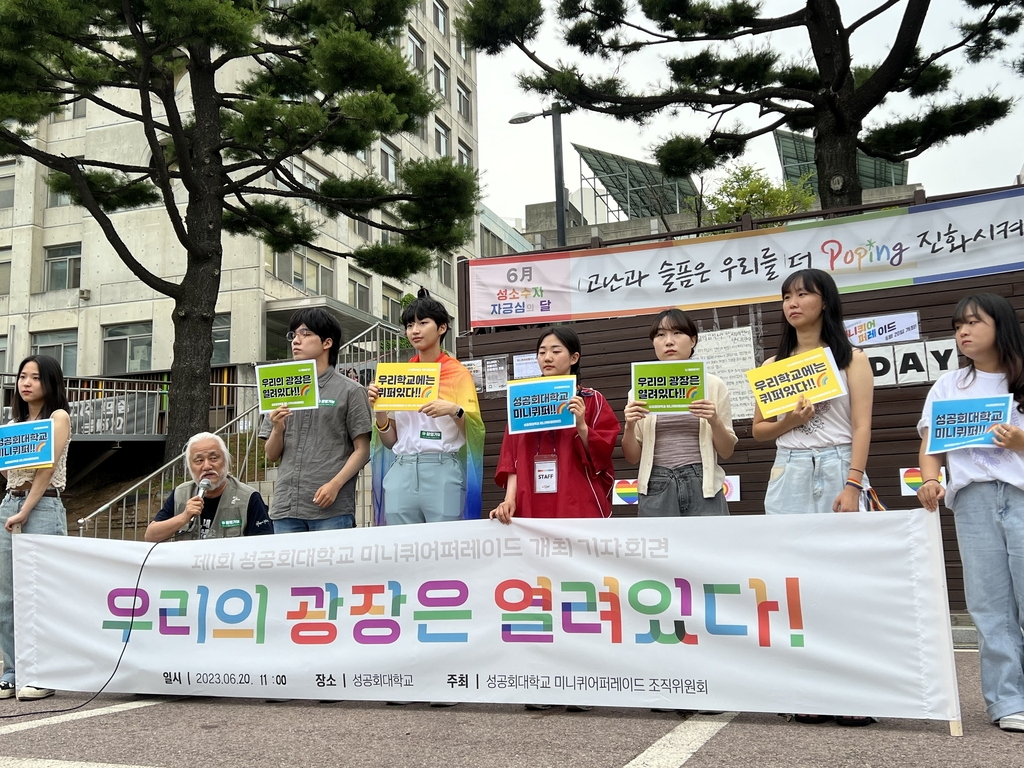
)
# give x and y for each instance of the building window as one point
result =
(63, 267)
(361, 155)
(461, 47)
(306, 269)
(441, 77)
(78, 109)
(417, 52)
(441, 17)
(5, 272)
(490, 243)
(62, 346)
(442, 139)
(221, 340)
(359, 290)
(74, 111)
(6, 191)
(127, 348)
(3, 354)
(465, 102)
(57, 199)
(391, 305)
(444, 269)
(361, 228)
(389, 162)
(465, 155)
(421, 128)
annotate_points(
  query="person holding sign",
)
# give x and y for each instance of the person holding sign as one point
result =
(678, 452)
(321, 449)
(428, 463)
(822, 447)
(32, 503)
(560, 472)
(985, 490)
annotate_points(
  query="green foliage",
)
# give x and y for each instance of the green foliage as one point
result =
(111, 191)
(719, 57)
(747, 189)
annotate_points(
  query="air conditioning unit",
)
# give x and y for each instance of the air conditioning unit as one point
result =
(84, 293)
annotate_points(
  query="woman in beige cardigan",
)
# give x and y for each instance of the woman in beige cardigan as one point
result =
(678, 453)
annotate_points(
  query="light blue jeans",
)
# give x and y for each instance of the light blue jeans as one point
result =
(808, 480)
(990, 531)
(424, 488)
(48, 517)
(297, 525)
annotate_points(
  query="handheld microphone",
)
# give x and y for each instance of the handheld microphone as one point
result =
(204, 486)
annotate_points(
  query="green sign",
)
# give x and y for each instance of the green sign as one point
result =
(293, 384)
(668, 386)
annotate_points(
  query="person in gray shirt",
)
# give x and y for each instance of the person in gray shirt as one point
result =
(322, 450)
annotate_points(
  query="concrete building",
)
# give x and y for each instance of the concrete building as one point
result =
(64, 292)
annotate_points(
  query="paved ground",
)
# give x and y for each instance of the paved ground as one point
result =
(205, 732)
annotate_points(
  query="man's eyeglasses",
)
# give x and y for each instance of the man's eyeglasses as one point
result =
(302, 333)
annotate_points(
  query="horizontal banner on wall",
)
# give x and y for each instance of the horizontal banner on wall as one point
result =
(845, 614)
(885, 249)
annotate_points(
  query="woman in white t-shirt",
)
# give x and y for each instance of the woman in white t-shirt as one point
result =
(985, 490)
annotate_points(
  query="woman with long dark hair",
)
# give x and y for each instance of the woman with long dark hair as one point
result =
(985, 490)
(32, 503)
(582, 457)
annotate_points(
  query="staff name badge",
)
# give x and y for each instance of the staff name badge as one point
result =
(27, 445)
(668, 386)
(406, 386)
(812, 375)
(968, 423)
(545, 474)
(535, 405)
(293, 384)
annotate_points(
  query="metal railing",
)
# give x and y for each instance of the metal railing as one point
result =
(128, 514)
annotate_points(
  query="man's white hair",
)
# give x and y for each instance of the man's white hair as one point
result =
(206, 436)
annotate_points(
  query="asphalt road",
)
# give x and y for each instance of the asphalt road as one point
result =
(204, 732)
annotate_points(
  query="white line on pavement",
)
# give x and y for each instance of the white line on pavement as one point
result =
(36, 762)
(682, 742)
(79, 715)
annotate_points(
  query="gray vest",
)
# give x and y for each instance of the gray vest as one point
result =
(230, 518)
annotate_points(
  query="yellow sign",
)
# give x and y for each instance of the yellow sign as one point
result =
(406, 386)
(779, 385)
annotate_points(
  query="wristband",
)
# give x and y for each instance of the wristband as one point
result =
(386, 427)
(852, 469)
(931, 480)
(854, 484)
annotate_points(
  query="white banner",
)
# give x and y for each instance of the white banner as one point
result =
(844, 614)
(902, 246)
(882, 329)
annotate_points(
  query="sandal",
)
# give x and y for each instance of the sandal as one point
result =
(812, 719)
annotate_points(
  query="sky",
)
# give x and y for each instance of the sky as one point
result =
(517, 164)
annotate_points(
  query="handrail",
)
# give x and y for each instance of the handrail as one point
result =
(379, 324)
(83, 522)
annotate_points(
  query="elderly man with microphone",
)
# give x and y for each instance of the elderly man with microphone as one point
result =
(214, 504)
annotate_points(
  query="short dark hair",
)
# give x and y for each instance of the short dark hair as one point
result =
(426, 307)
(569, 340)
(677, 320)
(1009, 339)
(323, 324)
(54, 394)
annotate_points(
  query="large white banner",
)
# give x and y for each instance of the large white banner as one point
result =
(902, 246)
(844, 614)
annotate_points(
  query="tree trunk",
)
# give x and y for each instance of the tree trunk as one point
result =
(189, 397)
(835, 157)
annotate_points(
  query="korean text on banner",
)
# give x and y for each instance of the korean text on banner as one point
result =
(968, 423)
(406, 386)
(668, 386)
(27, 445)
(293, 384)
(538, 404)
(751, 613)
(779, 385)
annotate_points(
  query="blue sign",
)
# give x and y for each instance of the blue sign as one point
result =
(967, 423)
(26, 444)
(538, 404)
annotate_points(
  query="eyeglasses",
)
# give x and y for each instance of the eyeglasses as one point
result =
(302, 333)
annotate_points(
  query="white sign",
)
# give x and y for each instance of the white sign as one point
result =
(880, 329)
(912, 363)
(729, 354)
(977, 236)
(526, 366)
(755, 613)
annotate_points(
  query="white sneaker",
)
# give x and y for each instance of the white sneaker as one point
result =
(31, 692)
(1013, 722)
(6, 689)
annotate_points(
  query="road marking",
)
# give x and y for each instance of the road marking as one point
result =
(682, 742)
(79, 715)
(36, 762)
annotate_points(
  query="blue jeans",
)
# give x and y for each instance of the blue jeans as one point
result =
(296, 525)
(424, 488)
(807, 480)
(47, 517)
(990, 531)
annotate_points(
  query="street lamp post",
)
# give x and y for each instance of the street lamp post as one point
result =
(555, 113)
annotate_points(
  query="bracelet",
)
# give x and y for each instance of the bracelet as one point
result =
(854, 484)
(857, 470)
(386, 426)
(931, 480)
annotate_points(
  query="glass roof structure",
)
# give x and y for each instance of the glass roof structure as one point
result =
(639, 189)
(796, 153)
